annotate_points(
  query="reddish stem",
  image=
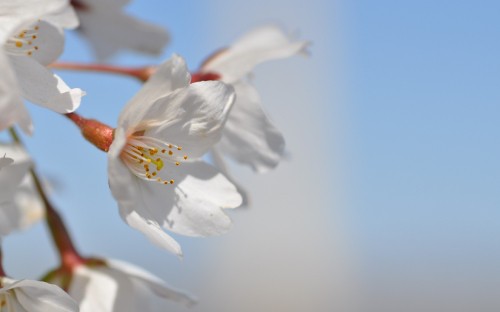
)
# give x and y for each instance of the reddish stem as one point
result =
(141, 73)
(2, 272)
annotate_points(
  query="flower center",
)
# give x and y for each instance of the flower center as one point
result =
(146, 157)
(23, 42)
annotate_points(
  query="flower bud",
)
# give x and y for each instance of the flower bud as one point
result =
(94, 131)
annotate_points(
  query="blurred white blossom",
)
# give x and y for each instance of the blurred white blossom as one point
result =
(106, 26)
(33, 296)
(5, 161)
(116, 286)
(249, 136)
(16, 211)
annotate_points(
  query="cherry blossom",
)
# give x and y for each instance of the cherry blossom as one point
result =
(116, 286)
(249, 136)
(5, 161)
(33, 296)
(12, 215)
(155, 170)
(29, 44)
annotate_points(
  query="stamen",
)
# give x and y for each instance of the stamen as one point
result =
(141, 152)
(22, 43)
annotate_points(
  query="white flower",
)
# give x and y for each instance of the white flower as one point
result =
(117, 286)
(33, 296)
(155, 170)
(29, 44)
(15, 212)
(249, 136)
(5, 161)
(109, 29)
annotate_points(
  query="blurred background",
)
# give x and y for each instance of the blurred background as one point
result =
(388, 199)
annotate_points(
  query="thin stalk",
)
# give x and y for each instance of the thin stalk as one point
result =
(141, 73)
(60, 235)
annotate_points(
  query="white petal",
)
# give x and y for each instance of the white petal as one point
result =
(260, 45)
(169, 76)
(201, 195)
(15, 13)
(9, 218)
(41, 296)
(11, 176)
(219, 163)
(126, 190)
(159, 287)
(110, 30)
(12, 108)
(12, 218)
(28, 206)
(66, 18)
(41, 87)
(50, 43)
(5, 161)
(249, 136)
(192, 118)
(95, 291)
(102, 5)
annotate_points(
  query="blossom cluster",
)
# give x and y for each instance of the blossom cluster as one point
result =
(166, 156)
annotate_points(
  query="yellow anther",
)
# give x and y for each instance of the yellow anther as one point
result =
(163, 151)
(170, 153)
(179, 148)
(19, 44)
(171, 181)
(177, 163)
(154, 174)
(185, 157)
